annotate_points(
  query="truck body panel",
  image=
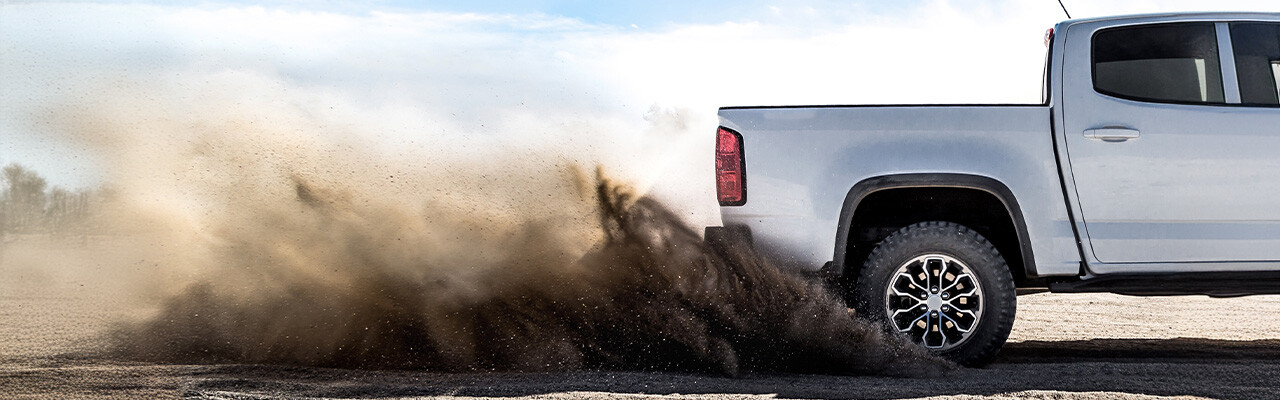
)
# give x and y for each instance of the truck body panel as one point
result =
(794, 205)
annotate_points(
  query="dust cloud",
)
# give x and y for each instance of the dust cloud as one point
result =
(282, 240)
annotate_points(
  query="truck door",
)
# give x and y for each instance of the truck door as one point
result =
(1174, 158)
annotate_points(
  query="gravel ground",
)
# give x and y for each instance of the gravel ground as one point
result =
(1079, 346)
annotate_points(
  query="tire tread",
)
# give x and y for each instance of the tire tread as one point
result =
(970, 353)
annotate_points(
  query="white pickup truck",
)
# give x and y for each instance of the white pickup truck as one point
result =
(1152, 167)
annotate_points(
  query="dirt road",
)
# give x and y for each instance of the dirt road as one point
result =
(1062, 347)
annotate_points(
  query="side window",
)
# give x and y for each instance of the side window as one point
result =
(1256, 46)
(1168, 63)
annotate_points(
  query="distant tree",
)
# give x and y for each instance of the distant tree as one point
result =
(29, 205)
(24, 198)
(82, 207)
(57, 210)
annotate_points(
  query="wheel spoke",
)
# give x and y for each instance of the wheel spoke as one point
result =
(956, 281)
(895, 314)
(934, 327)
(957, 324)
(946, 266)
(913, 322)
(970, 313)
(913, 279)
(928, 272)
(914, 297)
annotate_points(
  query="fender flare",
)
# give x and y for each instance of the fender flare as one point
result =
(866, 187)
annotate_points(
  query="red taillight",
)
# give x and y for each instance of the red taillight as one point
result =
(731, 179)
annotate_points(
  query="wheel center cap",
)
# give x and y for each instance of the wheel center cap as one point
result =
(934, 302)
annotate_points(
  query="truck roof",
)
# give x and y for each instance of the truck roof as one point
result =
(1181, 16)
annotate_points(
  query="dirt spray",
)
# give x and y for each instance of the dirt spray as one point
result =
(284, 241)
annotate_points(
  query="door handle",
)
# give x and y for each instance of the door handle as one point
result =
(1111, 134)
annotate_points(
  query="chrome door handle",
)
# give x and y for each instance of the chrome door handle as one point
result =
(1111, 134)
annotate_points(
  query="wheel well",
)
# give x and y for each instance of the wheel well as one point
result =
(883, 212)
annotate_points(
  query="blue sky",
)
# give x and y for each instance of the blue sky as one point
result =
(622, 13)
(654, 13)
(514, 72)
(643, 14)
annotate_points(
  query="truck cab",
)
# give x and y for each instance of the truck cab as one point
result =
(1169, 140)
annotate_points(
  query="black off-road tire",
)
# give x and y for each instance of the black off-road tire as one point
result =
(998, 296)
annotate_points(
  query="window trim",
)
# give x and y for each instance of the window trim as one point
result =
(1093, 70)
(1227, 62)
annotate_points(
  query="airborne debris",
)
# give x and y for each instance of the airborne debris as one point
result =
(650, 295)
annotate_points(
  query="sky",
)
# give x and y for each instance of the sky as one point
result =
(457, 72)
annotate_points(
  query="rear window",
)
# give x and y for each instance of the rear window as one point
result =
(1167, 63)
(1256, 46)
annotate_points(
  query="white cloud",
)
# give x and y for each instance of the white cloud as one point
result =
(516, 78)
